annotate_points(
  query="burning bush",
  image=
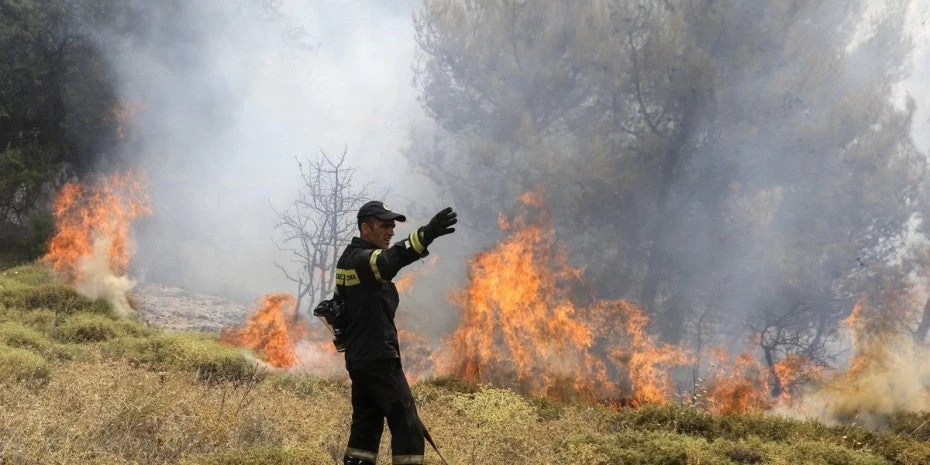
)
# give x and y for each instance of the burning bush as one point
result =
(520, 327)
(272, 330)
(91, 248)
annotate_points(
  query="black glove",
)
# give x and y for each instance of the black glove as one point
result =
(440, 225)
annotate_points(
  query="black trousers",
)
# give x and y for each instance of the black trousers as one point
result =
(380, 391)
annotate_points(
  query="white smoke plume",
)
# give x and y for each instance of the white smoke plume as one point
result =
(99, 281)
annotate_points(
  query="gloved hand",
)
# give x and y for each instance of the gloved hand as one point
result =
(440, 225)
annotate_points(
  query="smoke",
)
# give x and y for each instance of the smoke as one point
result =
(886, 376)
(99, 281)
(915, 86)
(321, 362)
(231, 94)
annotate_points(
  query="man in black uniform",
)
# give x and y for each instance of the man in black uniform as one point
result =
(379, 387)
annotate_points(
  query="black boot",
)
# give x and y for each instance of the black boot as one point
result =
(356, 461)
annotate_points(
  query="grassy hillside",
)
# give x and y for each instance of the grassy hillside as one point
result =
(79, 386)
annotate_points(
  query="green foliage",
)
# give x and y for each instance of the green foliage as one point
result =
(694, 422)
(546, 409)
(58, 298)
(89, 327)
(30, 292)
(57, 104)
(211, 361)
(915, 425)
(667, 448)
(21, 365)
(29, 275)
(31, 330)
(40, 319)
(26, 172)
(899, 444)
(260, 455)
(14, 334)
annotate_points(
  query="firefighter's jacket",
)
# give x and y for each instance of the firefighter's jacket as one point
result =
(363, 280)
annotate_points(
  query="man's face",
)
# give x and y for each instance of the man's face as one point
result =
(378, 232)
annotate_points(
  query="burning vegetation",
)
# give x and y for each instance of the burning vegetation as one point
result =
(91, 247)
(521, 326)
(528, 322)
(272, 331)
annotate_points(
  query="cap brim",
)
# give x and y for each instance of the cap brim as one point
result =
(391, 216)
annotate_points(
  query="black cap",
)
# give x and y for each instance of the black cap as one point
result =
(377, 209)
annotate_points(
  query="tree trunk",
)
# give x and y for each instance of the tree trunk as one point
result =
(770, 363)
(656, 269)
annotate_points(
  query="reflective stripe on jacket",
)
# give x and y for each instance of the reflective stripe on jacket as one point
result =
(363, 279)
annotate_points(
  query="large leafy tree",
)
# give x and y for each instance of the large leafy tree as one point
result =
(58, 108)
(716, 161)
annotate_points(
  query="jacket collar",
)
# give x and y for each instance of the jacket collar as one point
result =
(362, 244)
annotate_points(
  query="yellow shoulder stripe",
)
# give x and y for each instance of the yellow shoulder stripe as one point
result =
(373, 261)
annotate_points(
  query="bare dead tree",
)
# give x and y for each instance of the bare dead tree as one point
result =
(320, 222)
(796, 329)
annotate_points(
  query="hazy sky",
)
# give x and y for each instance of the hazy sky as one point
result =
(227, 110)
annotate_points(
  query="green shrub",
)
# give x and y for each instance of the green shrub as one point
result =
(641, 448)
(41, 319)
(14, 334)
(60, 299)
(89, 327)
(546, 409)
(694, 422)
(21, 365)
(29, 275)
(668, 448)
(303, 386)
(902, 450)
(197, 353)
(915, 425)
(71, 352)
(260, 455)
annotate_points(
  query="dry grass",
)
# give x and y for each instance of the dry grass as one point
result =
(78, 386)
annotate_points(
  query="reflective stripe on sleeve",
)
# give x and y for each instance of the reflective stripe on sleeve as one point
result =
(347, 277)
(415, 241)
(362, 454)
(407, 459)
(373, 261)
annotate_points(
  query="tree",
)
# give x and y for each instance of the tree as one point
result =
(57, 104)
(703, 156)
(320, 224)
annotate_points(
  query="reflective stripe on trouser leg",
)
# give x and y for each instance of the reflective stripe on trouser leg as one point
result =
(407, 459)
(362, 454)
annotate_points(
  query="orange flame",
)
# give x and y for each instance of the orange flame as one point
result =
(84, 213)
(271, 330)
(521, 329)
(739, 385)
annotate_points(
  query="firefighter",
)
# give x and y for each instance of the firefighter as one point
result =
(379, 387)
